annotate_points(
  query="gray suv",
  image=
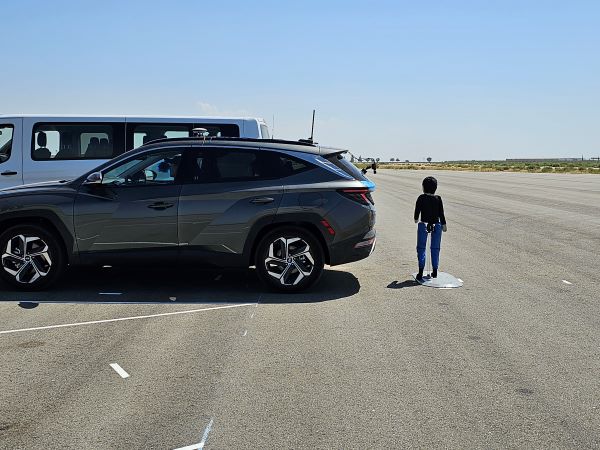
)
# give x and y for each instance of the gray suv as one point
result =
(285, 207)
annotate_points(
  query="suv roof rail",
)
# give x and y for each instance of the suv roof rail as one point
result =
(209, 139)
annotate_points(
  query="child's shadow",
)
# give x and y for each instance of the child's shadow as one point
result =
(404, 284)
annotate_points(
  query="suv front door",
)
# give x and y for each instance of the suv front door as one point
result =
(133, 210)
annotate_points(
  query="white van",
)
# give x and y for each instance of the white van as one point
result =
(45, 148)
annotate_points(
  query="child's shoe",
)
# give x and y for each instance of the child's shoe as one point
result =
(420, 274)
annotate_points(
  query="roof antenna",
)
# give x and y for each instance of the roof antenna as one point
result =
(312, 130)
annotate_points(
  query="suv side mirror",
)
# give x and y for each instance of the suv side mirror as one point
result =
(94, 178)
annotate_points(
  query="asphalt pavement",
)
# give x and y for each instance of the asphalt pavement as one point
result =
(161, 358)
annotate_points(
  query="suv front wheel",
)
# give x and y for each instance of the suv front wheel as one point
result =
(31, 258)
(289, 259)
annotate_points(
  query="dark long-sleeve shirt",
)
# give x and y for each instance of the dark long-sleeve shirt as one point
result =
(430, 208)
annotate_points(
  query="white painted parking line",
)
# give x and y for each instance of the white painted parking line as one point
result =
(566, 282)
(119, 370)
(200, 445)
(92, 322)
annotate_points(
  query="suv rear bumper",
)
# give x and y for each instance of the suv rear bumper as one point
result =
(353, 249)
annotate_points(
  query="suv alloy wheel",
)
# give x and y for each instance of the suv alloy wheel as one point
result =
(31, 258)
(289, 259)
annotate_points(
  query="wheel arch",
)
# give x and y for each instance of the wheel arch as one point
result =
(46, 220)
(299, 221)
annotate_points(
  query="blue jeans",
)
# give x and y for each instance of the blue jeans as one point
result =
(436, 241)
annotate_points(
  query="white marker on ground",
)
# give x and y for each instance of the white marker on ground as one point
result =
(92, 322)
(200, 445)
(460, 280)
(566, 282)
(245, 333)
(119, 370)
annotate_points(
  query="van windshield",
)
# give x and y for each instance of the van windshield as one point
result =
(6, 135)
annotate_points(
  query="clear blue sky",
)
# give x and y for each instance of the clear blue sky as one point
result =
(405, 79)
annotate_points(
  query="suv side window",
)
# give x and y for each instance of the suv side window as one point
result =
(228, 165)
(68, 141)
(6, 135)
(148, 169)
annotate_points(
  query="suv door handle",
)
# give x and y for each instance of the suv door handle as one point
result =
(8, 172)
(161, 206)
(262, 200)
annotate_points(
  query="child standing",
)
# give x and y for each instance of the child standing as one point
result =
(431, 209)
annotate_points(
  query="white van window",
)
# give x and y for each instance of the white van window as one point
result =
(53, 141)
(6, 135)
(144, 133)
(264, 131)
(220, 130)
(139, 134)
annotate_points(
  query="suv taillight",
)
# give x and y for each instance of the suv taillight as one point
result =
(359, 195)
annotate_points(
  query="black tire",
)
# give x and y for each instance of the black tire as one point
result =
(289, 273)
(38, 271)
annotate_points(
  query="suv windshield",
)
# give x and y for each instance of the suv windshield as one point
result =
(6, 135)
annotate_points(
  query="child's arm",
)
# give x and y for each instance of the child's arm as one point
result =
(442, 216)
(417, 209)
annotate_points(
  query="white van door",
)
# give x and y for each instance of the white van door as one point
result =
(11, 155)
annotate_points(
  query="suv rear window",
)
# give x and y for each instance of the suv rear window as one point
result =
(342, 163)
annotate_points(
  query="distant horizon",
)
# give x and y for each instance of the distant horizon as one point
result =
(550, 159)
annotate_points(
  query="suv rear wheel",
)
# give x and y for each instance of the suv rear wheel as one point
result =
(32, 258)
(289, 259)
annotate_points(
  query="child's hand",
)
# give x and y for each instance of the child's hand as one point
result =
(444, 228)
(416, 220)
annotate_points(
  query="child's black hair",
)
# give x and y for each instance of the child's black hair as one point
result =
(429, 185)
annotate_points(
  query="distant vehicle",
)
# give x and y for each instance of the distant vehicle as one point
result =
(45, 148)
(285, 207)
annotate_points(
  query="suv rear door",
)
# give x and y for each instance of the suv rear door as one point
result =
(225, 192)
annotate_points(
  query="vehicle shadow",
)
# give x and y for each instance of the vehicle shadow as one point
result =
(403, 284)
(175, 285)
